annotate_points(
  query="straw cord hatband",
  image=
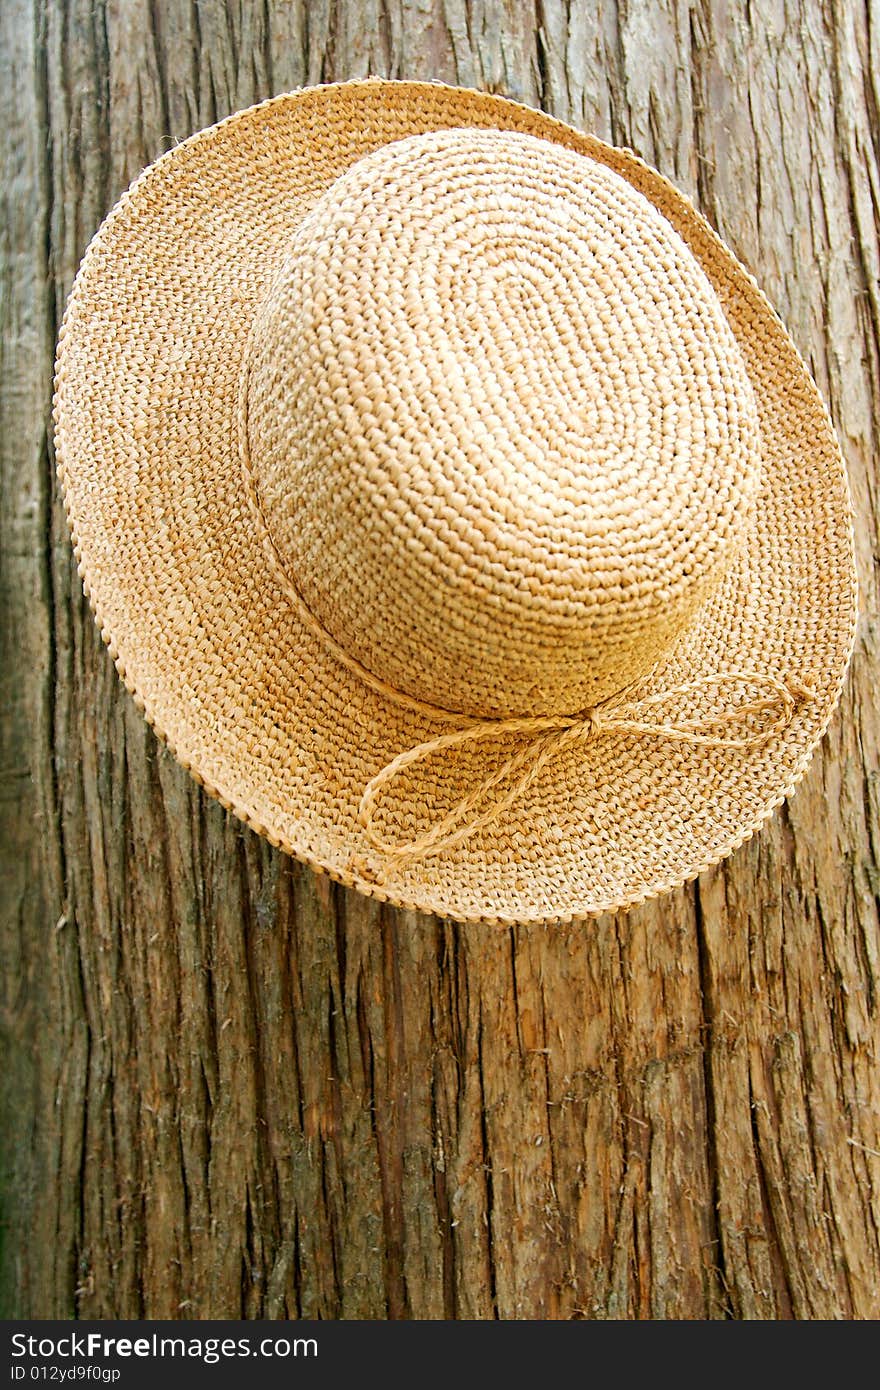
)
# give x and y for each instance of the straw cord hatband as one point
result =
(548, 735)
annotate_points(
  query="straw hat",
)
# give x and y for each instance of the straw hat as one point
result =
(452, 502)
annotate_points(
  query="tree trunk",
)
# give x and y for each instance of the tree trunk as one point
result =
(234, 1089)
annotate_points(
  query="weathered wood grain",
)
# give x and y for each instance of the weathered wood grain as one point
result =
(234, 1089)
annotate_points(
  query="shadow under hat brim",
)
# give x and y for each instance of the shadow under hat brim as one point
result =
(249, 699)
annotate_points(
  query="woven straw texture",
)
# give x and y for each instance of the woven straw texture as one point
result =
(387, 409)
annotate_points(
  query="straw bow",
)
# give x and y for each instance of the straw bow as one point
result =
(549, 736)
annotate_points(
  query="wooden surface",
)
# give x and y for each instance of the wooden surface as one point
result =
(232, 1089)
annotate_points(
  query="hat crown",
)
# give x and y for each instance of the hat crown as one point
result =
(499, 428)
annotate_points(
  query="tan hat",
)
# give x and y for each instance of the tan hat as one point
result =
(452, 501)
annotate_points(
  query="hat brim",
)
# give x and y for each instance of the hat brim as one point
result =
(248, 698)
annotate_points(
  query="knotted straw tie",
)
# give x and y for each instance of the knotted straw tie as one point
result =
(552, 734)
